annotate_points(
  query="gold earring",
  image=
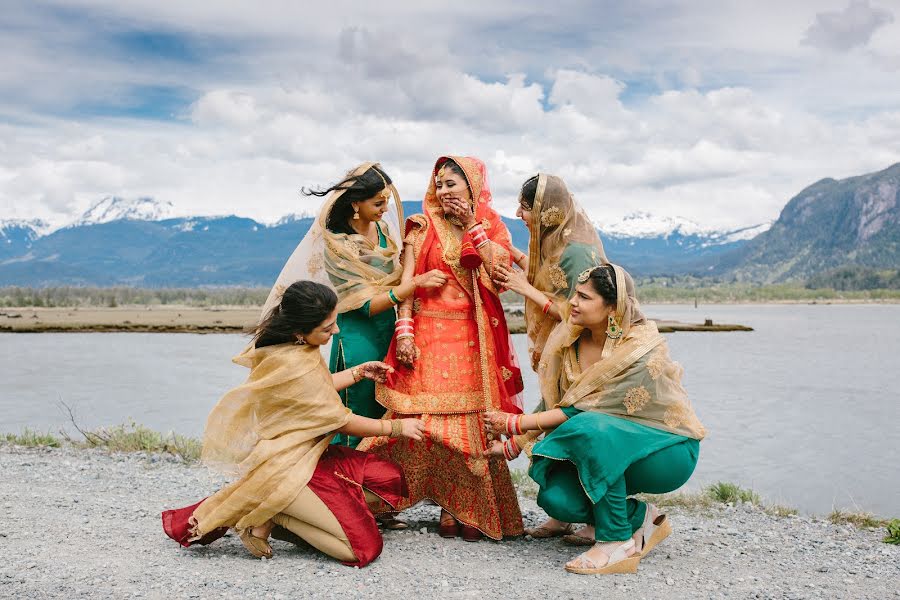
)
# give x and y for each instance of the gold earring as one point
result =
(356, 213)
(613, 330)
(300, 341)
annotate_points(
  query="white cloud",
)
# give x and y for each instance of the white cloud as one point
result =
(311, 91)
(847, 29)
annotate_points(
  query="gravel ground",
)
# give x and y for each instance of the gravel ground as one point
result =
(85, 524)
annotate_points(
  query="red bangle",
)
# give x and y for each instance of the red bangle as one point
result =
(547, 307)
(479, 237)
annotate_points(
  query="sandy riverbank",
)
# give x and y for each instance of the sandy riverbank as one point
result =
(85, 524)
(188, 319)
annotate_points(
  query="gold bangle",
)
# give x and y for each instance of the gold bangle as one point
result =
(396, 428)
(383, 432)
(537, 421)
(355, 373)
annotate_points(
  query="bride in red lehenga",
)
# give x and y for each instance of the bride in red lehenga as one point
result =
(453, 358)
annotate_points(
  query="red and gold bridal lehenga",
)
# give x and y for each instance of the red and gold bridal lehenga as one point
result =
(466, 365)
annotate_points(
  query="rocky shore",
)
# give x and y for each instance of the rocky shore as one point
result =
(86, 524)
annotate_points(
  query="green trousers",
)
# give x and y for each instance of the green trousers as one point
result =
(616, 516)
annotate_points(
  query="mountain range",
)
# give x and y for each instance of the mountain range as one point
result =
(135, 242)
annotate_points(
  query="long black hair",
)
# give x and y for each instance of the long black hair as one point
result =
(303, 307)
(603, 280)
(359, 188)
(529, 189)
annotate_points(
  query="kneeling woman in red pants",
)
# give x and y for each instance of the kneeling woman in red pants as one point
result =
(274, 433)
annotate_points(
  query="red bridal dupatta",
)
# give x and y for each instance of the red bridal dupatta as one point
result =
(466, 365)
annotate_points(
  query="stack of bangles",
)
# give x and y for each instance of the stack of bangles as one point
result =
(479, 237)
(393, 297)
(514, 425)
(404, 328)
(547, 306)
(510, 449)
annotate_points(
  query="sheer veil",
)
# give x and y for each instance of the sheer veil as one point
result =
(309, 260)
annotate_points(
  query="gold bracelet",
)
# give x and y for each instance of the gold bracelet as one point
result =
(396, 428)
(355, 373)
(537, 421)
(383, 432)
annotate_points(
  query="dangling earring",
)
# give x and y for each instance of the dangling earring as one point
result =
(300, 341)
(613, 330)
(356, 213)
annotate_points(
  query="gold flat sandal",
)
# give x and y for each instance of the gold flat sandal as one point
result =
(542, 532)
(256, 546)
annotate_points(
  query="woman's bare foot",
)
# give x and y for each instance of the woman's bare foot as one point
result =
(550, 528)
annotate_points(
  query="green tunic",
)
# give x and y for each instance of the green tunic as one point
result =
(601, 447)
(362, 337)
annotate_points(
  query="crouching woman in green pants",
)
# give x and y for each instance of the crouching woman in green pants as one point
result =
(622, 425)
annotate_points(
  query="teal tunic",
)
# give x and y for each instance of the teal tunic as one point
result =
(363, 337)
(589, 466)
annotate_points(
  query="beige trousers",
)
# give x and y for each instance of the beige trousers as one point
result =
(309, 518)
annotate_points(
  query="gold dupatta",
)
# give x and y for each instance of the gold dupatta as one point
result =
(635, 380)
(271, 430)
(353, 265)
(557, 220)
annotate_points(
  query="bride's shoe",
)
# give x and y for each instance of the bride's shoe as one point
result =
(623, 559)
(257, 546)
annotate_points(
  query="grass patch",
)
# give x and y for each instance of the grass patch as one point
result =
(730, 493)
(693, 501)
(32, 438)
(779, 510)
(133, 437)
(893, 530)
(858, 519)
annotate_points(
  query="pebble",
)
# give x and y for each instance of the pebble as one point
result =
(60, 500)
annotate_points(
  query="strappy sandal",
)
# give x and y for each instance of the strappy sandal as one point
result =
(619, 562)
(257, 546)
(654, 530)
(543, 531)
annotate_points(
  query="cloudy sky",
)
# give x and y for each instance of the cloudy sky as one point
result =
(715, 111)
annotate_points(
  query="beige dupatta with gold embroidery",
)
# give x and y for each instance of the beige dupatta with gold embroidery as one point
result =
(635, 380)
(271, 431)
(355, 267)
(556, 221)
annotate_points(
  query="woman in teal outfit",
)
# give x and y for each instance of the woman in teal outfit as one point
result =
(562, 244)
(621, 424)
(354, 247)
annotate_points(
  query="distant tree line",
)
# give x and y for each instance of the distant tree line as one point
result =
(117, 296)
(856, 278)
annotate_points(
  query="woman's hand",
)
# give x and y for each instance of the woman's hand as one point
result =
(495, 449)
(413, 429)
(407, 353)
(511, 279)
(495, 423)
(461, 210)
(432, 279)
(375, 370)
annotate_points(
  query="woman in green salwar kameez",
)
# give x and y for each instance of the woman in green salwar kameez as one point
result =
(621, 424)
(562, 244)
(354, 247)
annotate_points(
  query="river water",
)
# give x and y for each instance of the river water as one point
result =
(805, 409)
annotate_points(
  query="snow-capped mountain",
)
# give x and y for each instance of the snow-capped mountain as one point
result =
(645, 225)
(18, 235)
(114, 208)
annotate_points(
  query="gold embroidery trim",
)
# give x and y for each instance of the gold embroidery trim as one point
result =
(557, 277)
(506, 373)
(552, 217)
